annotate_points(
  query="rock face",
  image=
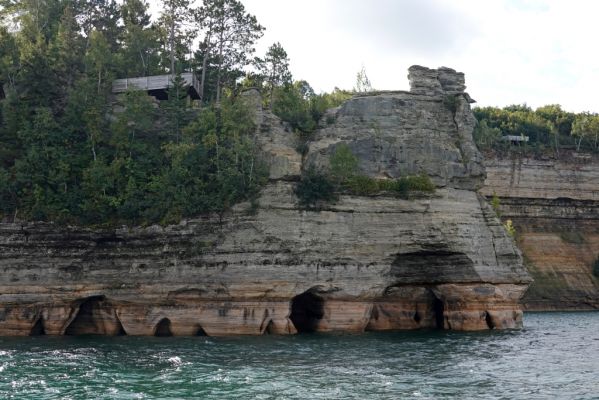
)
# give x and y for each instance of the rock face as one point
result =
(362, 263)
(428, 130)
(554, 206)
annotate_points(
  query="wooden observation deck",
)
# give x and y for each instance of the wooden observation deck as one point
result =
(157, 85)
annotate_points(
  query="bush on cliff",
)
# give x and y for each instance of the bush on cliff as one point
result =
(315, 188)
(402, 187)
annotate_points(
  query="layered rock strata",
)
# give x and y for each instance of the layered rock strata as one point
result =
(554, 206)
(440, 260)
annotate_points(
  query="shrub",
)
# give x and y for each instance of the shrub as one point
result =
(362, 185)
(314, 188)
(344, 163)
(365, 186)
(495, 204)
(509, 228)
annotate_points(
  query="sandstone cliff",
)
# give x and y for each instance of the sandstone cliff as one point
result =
(362, 263)
(554, 206)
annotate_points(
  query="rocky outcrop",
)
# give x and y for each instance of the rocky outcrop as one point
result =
(362, 263)
(554, 206)
(428, 130)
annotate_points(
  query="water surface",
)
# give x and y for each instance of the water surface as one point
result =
(555, 356)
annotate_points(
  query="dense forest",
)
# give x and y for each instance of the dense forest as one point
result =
(72, 152)
(549, 130)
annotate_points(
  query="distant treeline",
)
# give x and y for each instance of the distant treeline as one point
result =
(72, 152)
(549, 129)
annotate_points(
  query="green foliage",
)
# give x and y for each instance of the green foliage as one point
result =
(315, 188)
(344, 163)
(70, 152)
(549, 129)
(402, 187)
(496, 204)
(451, 103)
(298, 105)
(509, 228)
(486, 137)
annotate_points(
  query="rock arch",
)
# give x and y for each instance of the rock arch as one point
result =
(307, 309)
(95, 316)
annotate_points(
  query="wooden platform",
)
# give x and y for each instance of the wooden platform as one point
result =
(157, 85)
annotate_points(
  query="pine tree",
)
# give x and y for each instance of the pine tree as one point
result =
(230, 35)
(275, 68)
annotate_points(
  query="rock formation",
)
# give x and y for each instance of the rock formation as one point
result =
(554, 206)
(362, 263)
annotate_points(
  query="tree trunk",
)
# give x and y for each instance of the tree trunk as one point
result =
(204, 66)
(172, 40)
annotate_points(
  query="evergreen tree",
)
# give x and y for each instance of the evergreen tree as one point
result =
(230, 35)
(275, 68)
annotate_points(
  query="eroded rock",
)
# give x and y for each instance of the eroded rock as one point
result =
(363, 263)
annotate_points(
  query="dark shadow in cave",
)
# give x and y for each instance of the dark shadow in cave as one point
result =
(489, 320)
(307, 309)
(438, 309)
(163, 328)
(38, 328)
(90, 321)
(201, 331)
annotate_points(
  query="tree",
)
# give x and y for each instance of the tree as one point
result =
(230, 35)
(275, 68)
(98, 58)
(586, 126)
(138, 39)
(175, 107)
(363, 84)
(174, 17)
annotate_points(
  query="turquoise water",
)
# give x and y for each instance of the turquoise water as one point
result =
(555, 356)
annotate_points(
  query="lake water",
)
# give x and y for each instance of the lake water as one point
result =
(555, 356)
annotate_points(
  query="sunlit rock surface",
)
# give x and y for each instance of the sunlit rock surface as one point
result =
(440, 260)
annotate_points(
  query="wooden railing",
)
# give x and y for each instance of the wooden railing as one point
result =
(155, 82)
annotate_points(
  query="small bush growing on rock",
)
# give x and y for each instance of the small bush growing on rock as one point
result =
(344, 163)
(314, 188)
(366, 186)
(451, 103)
(509, 228)
(495, 204)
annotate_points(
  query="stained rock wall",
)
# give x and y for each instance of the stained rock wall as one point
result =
(554, 206)
(362, 263)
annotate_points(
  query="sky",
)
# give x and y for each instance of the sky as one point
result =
(536, 52)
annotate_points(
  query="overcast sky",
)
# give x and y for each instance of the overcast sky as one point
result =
(512, 51)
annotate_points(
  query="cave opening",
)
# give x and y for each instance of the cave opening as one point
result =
(201, 332)
(307, 309)
(95, 317)
(38, 328)
(269, 330)
(163, 328)
(489, 320)
(417, 317)
(438, 309)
